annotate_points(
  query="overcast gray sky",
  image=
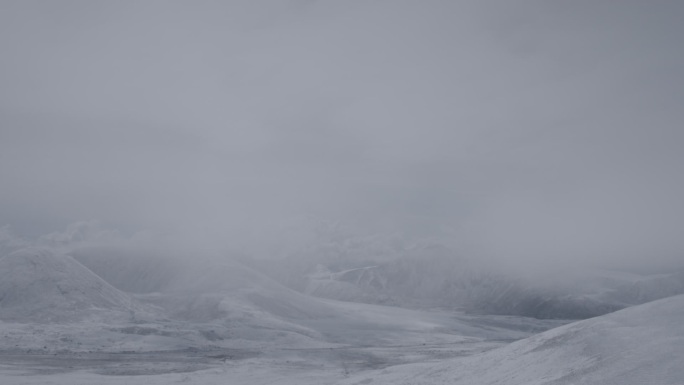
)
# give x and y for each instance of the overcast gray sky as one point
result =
(536, 130)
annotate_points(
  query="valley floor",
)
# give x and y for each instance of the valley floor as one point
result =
(306, 366)
(349, 347)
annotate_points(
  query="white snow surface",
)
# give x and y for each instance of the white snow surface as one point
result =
(433, 274)
(39, 285)
(635, 346)
(154, 319)
(139, 319)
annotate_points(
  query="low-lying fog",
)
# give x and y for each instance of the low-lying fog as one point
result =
(319, 191)
(535, 133)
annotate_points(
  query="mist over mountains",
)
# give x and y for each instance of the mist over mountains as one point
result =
(386, 269)
(190, 312)
(428, 273)
(632, 346)
(40, 286)
(542, 134)
(320, 192)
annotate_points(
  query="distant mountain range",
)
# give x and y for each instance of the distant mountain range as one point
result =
(115, 299)
(433, 275)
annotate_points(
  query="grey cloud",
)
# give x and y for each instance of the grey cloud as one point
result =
(541, 130)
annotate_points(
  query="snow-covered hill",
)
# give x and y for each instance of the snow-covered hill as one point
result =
(430, 274)
(640, 345)
(51, 303)
(197, 287)
(244, 303)
(160, 302)
(38, 285)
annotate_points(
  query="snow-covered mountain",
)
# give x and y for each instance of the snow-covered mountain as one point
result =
(106, 300)
(640, 345)
(433, 281)
(38, 285)
(194, 280)
(430, 274)
(146, 300)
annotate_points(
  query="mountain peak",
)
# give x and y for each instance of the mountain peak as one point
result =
(40, 285)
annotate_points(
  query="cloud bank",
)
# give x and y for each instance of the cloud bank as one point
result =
(537, 131)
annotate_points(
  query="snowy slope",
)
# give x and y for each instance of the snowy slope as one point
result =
(198, 287)
(433, 275)
(639, 345)
(239, 303)
(38, 285)
(206, 310)
(391, 269)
